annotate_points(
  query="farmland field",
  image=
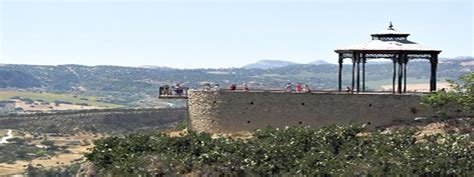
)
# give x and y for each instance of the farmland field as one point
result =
(51, 97)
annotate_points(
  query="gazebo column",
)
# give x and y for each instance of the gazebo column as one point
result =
(434, 65)
(363, 72)
(358, 72)
(353, 72)
(341, 60)
(405, 62)
(400, 73)
(394, 74)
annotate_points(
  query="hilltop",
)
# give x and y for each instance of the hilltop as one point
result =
(132, 85)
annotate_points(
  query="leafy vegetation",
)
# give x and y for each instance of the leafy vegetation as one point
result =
(19, 149)
(461, 96)
(329, 151)
(40, 171)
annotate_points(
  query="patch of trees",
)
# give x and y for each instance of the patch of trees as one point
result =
(20, 149)
(41, 171)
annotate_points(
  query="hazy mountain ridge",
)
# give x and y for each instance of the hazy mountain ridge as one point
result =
(267, 64)
(130, 84)
(319, 62)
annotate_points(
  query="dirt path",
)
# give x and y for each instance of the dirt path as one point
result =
(6, 138)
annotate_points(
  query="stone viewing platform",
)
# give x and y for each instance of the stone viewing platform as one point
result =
(233, 111)
(227, 111)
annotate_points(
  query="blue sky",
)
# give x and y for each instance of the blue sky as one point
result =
(216, 34)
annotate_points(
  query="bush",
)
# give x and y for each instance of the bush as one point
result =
(461, 96)
(329, 151)
(40, 171)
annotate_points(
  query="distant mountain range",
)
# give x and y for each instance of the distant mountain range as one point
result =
(129, 85)
(268, 64)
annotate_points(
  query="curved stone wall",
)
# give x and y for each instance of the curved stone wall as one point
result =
(227, 112)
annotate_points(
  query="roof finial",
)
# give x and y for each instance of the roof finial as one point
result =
(390, 27)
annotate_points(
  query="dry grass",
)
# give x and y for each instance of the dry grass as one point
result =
(75, 155)
(41, 107)
(420, 87)
(51, 97)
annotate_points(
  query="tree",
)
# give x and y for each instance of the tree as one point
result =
(457, 101)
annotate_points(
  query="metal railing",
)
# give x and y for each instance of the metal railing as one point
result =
(182, 92)
(313, 91)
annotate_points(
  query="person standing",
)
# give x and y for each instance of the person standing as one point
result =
(232, 87)
(216, 87)
(348, 90)
(288, 87)
(178, 90)
(306, 88)
(299, 88)
(206, 87)
(245, 87)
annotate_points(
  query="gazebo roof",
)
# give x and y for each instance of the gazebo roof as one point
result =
(390, 31)
(389, 40)
(379, 45)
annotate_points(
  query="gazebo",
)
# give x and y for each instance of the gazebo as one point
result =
(387, 44)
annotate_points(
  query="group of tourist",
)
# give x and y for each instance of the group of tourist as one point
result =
(232, 87)
(299, 88)
(208, 87)
(177, 89)
(244, 87)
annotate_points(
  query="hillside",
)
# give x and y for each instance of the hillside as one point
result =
(96, 121)
(129, 85)
(58, 139)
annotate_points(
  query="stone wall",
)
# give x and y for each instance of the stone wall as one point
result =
(227, 112)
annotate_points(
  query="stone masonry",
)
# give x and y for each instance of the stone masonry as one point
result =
(230, 112)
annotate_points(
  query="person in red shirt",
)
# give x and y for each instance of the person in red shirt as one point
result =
(299, 88)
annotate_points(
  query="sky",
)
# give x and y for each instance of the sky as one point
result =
(218, 34)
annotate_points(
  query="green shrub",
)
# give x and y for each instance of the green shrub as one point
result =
(330, 151)
(181, 125)
(460, 98)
